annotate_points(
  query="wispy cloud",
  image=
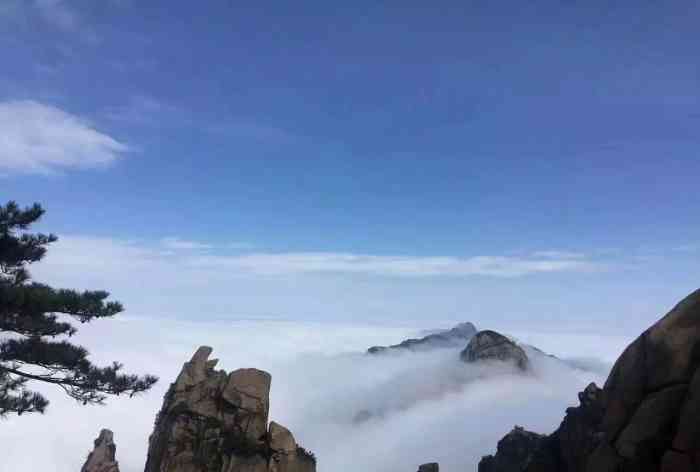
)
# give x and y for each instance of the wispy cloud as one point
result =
(402, 266)
(556, 254)
(58, 13)
(687, 248)
(107, 252)
(36, 138)
(177, 243)
(144, 110)
(173, 242)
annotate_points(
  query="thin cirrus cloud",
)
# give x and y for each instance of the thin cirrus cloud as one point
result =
(184, 257)
(385, 265)
(36, 138)
(555, 254)
(174, 243)
(58, 14)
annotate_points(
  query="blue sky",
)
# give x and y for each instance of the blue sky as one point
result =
(541, 158)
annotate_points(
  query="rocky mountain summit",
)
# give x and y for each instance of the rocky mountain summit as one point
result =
(102, 457)
(490, 345)
(454, 337)
(646, 418)
(212, 421)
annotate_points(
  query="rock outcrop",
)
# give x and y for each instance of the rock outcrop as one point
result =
(514, 450)
(646, 418)
(212, 421)
(430, 467)
(102, 458)
(455, 337)
(490, 345)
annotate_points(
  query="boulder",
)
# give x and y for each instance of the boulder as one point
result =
(490, 345)
(646, 417)
(102, 457)
(451, 338)
(212, 421)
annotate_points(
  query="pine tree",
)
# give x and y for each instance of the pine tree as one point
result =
(35, 322)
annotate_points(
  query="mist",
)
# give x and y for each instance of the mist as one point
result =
(385, 413)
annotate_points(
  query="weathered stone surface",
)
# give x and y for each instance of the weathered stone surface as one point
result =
(688, 432)
(490, 345)
(429, 467)
(647, 416)
(604, 458)
(455, 337)
(651, 425)
(248, 390)
(281, 439)
(102, 458)
(212, 421)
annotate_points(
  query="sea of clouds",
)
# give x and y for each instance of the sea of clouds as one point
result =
(417, 407)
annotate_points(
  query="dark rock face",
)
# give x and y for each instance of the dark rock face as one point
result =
(212, 421)
(490, 345)
(102, 458)
(430, 467)
(514, 451)
(455, 337)
(647, 416)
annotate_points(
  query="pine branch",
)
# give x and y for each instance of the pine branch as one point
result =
(29, 311)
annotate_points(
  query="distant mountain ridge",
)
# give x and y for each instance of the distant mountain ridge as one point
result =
(451, 338)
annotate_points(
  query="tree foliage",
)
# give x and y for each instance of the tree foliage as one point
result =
(36, 322)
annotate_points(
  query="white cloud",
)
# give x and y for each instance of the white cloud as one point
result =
(40, 139)
(173, 242)
(429, 407)
(220, 282)
(555, 254)
(104, 252)
(404, 266)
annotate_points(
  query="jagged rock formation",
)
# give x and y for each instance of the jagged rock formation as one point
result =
(430, 467)
(647, 416)
(455, 337)
(212, 421)
(102, 457)
(490, 345)
(514, 449)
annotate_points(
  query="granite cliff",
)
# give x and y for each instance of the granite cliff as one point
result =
(213, 421)
(646, 418)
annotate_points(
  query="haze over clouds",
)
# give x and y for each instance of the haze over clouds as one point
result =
(425, 407)
(536, 290)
